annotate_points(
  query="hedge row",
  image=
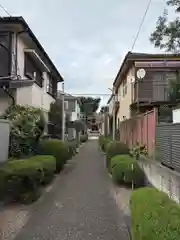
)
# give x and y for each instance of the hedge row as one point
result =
(154, 216)
(20, 180)
(115, 148)
(103, 142)
(56, 148)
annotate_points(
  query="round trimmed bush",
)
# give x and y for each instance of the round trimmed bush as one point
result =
(57, 148)
(83, 138)
(154, 215)
(103, 142)
(125, 170)
(21, 178)
(72, 145)
(115, 148)
(48, 164)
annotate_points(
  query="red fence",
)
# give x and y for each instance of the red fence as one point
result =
(141, 129)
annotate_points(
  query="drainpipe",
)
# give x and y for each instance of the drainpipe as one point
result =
(8, 93)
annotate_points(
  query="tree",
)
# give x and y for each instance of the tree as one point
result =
(27, 125)
(167, 33)
(89, 105)
(55, 118)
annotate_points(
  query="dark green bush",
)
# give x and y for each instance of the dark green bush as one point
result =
(154, 216)
(103, 142)
(20, 179)
(115, 148)
(72, 145)
(125, 170)
(27, 125)
(56, 148)
(83, 138)
(48, 164)
(101, 138)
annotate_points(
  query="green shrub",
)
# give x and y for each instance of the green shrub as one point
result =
(125, 170)
(154, 216)
(83, 138)
(101, 139)
(72, 145)
(48, 164)
(27, 125)
(20, 179)
(103, 142)
(56, 148)
(115, 148)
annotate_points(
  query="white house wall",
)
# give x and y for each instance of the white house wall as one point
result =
(32, 95)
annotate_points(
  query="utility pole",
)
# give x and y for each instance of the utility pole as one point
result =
(63, 113)
(114, 113)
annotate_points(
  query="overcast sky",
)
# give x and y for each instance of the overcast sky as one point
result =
(87, 39)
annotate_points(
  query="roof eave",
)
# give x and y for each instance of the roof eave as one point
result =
(20, 20)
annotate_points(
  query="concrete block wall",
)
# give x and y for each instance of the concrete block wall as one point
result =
(4, 140)
(162, 178)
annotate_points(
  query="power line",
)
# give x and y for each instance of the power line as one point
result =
(3, 8)
(91, 94)
(140, 26)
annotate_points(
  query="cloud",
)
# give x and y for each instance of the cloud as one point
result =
(87, 40)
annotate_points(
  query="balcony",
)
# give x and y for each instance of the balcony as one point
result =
(36, 59)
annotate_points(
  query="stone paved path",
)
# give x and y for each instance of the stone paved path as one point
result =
(80, 206)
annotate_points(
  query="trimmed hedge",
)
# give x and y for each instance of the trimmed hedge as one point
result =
(72, 145)
(20, 180)
(48, 166)
(115, 148)
(83, 138)
(125, 170)
(57, 148)
(154, 216)
(103, 142)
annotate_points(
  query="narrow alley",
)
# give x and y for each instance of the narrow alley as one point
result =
(80, 205)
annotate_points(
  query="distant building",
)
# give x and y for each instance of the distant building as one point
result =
(72, 111)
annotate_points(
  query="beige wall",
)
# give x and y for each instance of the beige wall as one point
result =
(125, 100)
(111, 107)
(33, 95)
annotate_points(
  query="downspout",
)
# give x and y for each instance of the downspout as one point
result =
(4, 88)
(8, 93)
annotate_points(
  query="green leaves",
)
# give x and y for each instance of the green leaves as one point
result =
(27, 125)
(167, 34)
(89, 105)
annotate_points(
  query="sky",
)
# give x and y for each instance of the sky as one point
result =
(88, 39)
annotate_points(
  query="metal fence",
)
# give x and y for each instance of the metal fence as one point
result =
(168, 144)
(140, 129)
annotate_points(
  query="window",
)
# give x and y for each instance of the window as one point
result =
(5, 54)
(31, 70)
(52, 86)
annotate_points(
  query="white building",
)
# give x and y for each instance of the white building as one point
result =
(72, 111)
(27, 74)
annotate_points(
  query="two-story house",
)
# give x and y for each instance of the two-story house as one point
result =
(72, 111)
(143, 82)
(27, 74)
